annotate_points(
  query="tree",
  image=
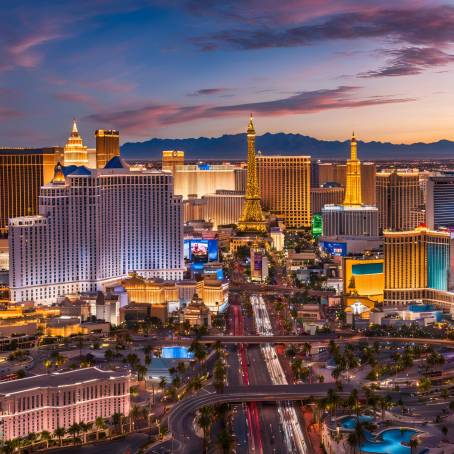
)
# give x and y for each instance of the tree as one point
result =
(225, 441)
(74, 430)
(45, 436)
(424, 384)
(48, 365)
(141, 372)
(100, 425)
(59, 432)
(133, 416)
(204, 421)
(117, 420)
(413, 443)
(444, 430)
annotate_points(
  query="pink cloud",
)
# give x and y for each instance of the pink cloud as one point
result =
(139, 120)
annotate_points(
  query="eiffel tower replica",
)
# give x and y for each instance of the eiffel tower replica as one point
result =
(252, 219)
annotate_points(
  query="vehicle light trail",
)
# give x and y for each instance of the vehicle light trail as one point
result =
(294, 437)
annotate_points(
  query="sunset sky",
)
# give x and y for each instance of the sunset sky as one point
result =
(189, 68)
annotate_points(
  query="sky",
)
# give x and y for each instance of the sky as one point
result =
(190, 68)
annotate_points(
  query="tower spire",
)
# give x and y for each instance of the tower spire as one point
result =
(252, 219)
(353, 182)
(75, 130)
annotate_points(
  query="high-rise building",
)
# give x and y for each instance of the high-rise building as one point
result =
(284, 185)
(337, 173)
(197, 180)
(415, 260)
(224, 207)
(75, 152)
(398, 193)
(327, 194)
(194, 209)
(22, 173)
(107, 146)
(440, 201)
(353, 218)
(252, 219)
(61, 399)
(95, 227)
(240, 179)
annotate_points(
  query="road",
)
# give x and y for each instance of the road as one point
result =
(182, 414)
(294, 437)
(132, 442)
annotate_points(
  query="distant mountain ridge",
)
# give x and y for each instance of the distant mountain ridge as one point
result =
(233, 146)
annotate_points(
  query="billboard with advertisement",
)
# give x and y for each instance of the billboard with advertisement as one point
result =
(335, 248)
(199, 250)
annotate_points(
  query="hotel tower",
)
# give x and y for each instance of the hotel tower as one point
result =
(94, 228)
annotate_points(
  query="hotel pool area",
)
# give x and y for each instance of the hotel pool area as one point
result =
(349, 422)
(176, 352)
(389, 441)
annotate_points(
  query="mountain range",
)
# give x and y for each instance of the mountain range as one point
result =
(233, 147)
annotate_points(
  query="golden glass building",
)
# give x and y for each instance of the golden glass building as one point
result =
(252, 219)
(22, 173)
(398, 195)
(329, 172)
(415, 260)
(75, 152)
(107, 146)
(285, 188)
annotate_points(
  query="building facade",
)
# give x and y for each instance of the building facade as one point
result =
(328, 194)
(224, 207)
(22, 173)
(415, 260)
(75, 152)
(284, 184)
(45, 402)
(107, 146)
(96, 227)
(398, 195)
(440, 201)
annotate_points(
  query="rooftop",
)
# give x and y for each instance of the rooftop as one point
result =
(57, 379)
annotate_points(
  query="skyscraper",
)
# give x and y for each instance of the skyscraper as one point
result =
(107, 146)
(327, 194)
(75, 152)
(440, 201)
(398, 194)
(415, 260)
(252, 219)
(352, 219)
(353, 177)
(95, 227)
(22, 173)
(284, 186)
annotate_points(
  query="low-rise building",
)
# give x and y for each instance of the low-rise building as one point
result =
(196, 313)
(45, 402)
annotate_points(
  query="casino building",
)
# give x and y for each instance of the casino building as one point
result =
(45, 402)
(95, 227)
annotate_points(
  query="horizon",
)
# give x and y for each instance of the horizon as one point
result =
(324, 69)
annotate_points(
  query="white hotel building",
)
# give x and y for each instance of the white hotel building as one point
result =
(45, 402)
(94, 228)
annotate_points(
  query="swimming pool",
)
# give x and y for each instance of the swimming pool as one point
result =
(176, 352)
(388, 441)
(349, 422)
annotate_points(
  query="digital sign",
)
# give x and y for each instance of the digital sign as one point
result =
(198, 250)
(335, 248)
(317, 226)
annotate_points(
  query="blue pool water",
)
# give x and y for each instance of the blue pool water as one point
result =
(349, 422)
(176, 352)
(388, 442)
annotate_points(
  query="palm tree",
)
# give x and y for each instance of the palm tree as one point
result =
(48, 365)
(45, 436)
(353, 401)
(306, 349)
(204, 421)
(332, 400)
(225, 441)
(117, 420)
(59, 432)
(133, 415)
(444, 430)
(100, 425)
(163, 383)
(141, 372)
(74, 430)
(413, 443)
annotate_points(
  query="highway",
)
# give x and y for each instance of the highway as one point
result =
(294, 437)
(182, 415)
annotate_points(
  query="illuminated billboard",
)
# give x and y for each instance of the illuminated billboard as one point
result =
(317, 225)
(335, 248)
(198, 250)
